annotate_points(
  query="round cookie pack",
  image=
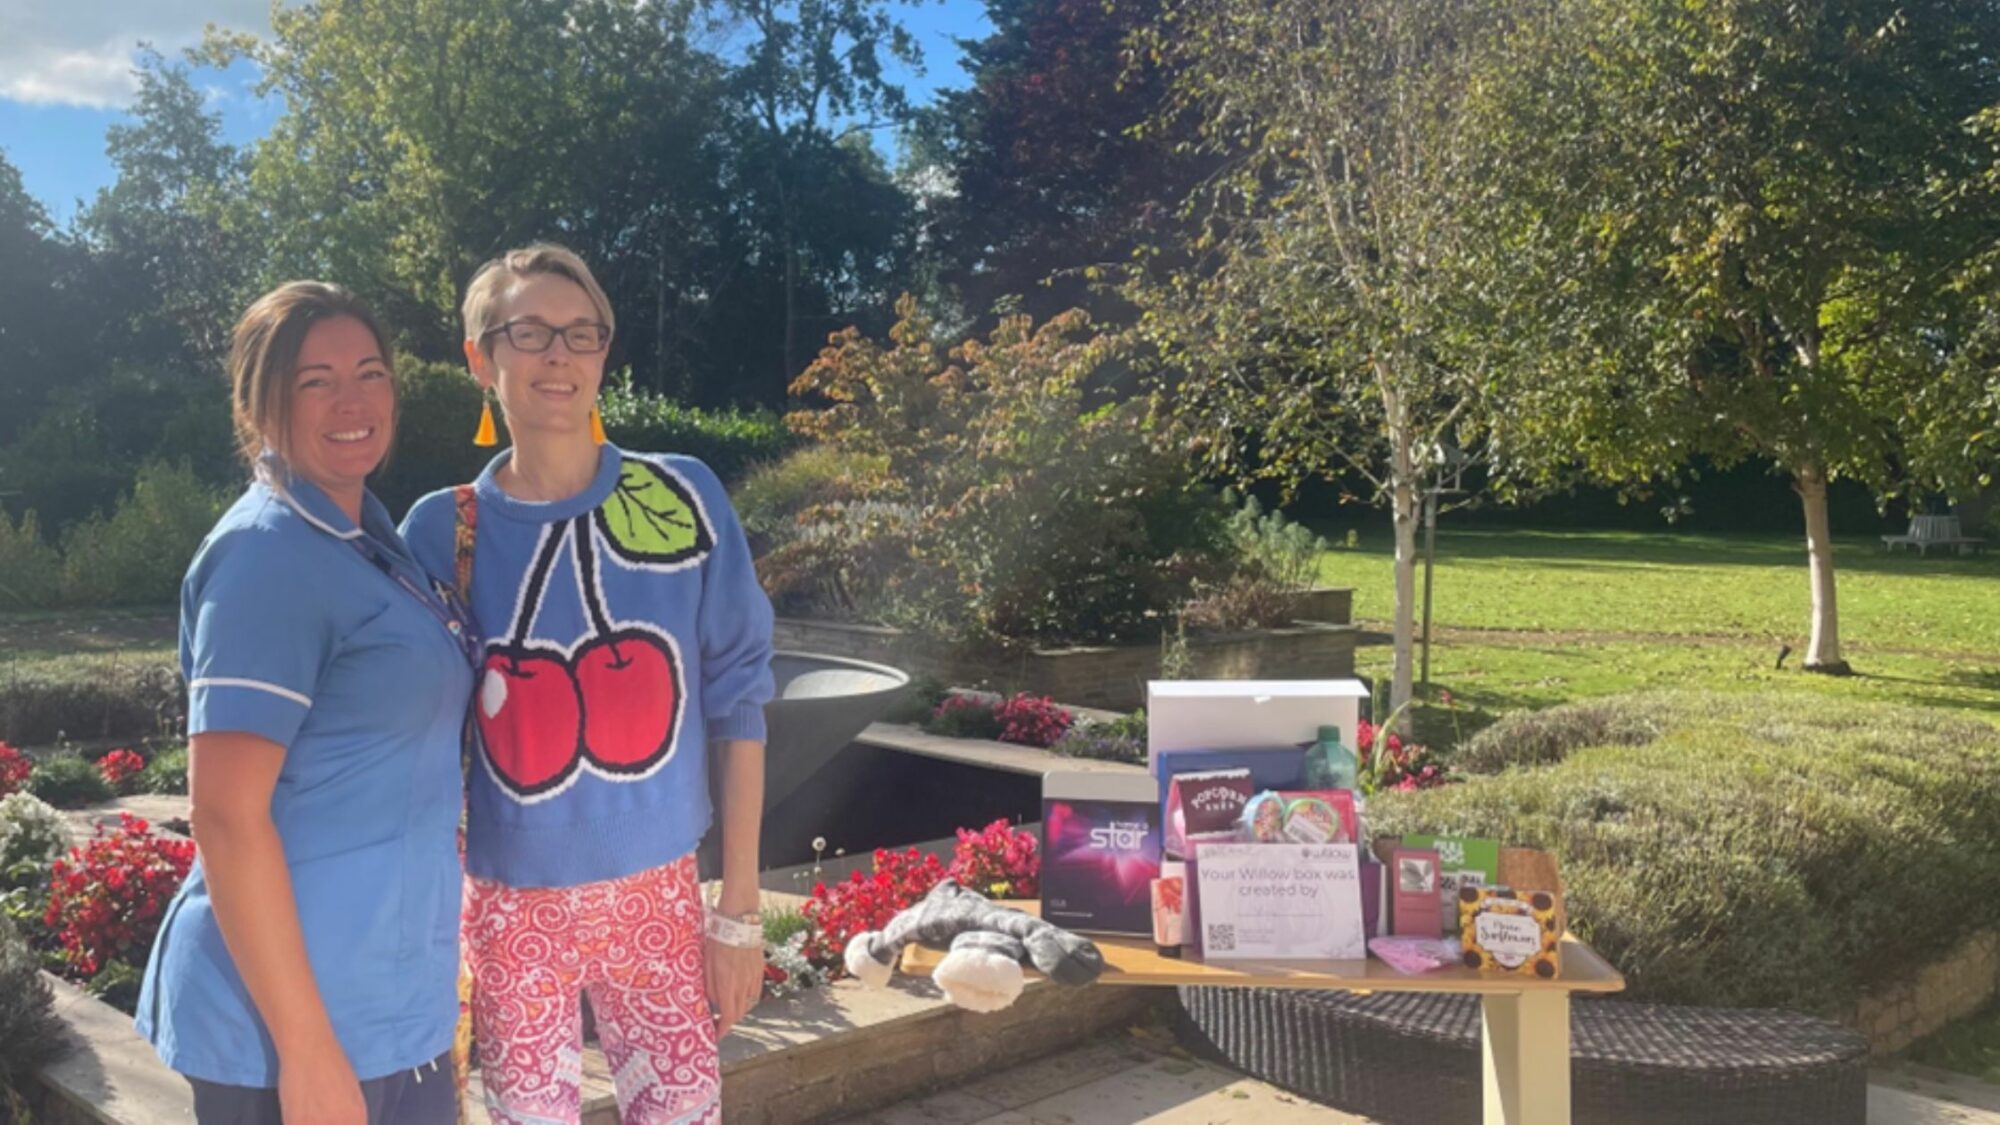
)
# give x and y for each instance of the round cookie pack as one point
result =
(1310, 820)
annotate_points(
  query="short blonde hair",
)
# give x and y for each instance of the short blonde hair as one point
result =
(483, 292)
(264, 356)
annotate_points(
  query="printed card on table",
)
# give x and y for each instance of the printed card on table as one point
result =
(1464, 861)
(1281, 901)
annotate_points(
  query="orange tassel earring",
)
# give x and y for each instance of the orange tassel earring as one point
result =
(596, 426)
(487, 434)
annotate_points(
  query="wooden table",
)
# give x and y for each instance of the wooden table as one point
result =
(1524, 1021)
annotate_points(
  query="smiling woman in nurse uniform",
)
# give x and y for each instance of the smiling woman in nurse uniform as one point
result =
(306, 969)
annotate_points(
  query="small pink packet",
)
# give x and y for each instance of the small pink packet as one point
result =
(1412, 956)
(1204, 807)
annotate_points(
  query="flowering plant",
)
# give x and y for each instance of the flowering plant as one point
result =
(1094, 740)
(866, 902)
(106, 898)
(964, 716)
(1025, 720)
(1402, 766)
(14, 769)
(787, 969)
(999, 861)
(1122, 739)
(120, 766)
(31, 834)
(1031, 720)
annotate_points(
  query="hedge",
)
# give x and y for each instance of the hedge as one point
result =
(438, 410)
(1763, 851)
(126, 537)
(85, 697)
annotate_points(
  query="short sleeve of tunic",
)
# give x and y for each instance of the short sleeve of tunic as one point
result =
(254, 637)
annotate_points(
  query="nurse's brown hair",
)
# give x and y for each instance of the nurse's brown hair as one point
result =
(264, 355)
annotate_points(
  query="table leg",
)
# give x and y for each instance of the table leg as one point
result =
(1524, 1048)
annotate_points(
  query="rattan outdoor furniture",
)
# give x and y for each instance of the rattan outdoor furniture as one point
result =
(1522, 1069)
(1413, 1058)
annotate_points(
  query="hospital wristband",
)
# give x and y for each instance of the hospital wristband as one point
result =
(746, 932)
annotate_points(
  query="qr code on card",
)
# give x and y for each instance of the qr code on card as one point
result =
(1222, 937)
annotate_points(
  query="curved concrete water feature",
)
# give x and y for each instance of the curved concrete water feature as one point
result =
(822, 702)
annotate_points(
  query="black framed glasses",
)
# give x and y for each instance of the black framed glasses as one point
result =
(534, 336)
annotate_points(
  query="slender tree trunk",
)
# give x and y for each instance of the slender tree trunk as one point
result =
(1403, 507)
(788, 224)
(791, 305)
(1823, 650)
(663, 378)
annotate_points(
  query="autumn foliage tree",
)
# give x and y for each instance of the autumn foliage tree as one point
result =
(1010, 501)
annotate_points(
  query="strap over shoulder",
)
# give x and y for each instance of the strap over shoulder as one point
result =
(465, 503)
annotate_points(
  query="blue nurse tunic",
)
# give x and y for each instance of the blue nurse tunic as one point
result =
(290, 633)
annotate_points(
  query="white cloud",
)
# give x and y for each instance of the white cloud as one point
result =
(82, 53)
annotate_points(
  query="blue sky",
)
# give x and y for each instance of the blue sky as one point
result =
(65, 76)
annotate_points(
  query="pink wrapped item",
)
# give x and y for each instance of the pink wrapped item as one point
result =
(1412, 956)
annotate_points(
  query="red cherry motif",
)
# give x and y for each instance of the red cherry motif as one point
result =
(530, 717)
(631, 695)
(629, 678)
(529, 711)
(617, 701)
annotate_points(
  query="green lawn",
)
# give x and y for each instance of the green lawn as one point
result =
(66, 635)
(1533, 618)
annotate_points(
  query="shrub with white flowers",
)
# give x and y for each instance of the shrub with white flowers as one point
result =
(31, 832)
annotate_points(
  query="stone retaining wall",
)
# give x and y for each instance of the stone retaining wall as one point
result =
(1108, 677)
(1940, 993)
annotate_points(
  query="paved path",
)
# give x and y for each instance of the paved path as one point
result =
(1141, 1078)
(1123, 1079)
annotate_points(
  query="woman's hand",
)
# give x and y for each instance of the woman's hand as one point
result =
(318, 1087)
(734, 977)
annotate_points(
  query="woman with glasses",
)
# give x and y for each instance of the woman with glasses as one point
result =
(627, 654)
(305, 970)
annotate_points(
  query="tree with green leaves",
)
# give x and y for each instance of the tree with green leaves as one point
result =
(1734, 230)
(1312, 326)
(421, 137)
(812, 75)
(43, 326)
(170, 271)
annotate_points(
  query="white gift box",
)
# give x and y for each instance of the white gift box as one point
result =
(1240, 714)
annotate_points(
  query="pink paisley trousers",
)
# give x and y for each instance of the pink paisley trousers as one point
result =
(635, 946)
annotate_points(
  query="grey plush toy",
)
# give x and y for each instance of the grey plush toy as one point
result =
(988, 946)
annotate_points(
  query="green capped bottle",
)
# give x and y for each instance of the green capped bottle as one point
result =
(1330, 764)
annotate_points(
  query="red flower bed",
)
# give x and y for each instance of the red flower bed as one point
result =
(1405, 766)
(1030, 720)
(1025, 720)
(866, 902)
(999, 861)
(120, 766)
(14, 769)
(107, 896)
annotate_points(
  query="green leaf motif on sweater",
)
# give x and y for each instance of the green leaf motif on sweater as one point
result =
(653, 519)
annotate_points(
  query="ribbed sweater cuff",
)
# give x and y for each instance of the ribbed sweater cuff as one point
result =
(745, 721)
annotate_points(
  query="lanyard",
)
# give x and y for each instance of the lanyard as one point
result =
(441, 600)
